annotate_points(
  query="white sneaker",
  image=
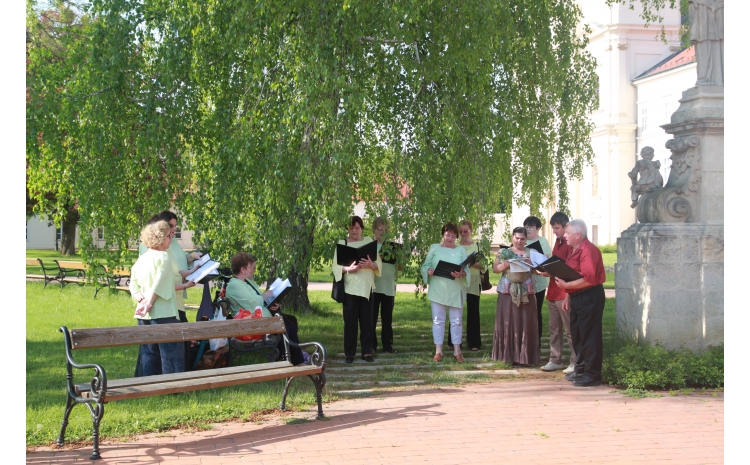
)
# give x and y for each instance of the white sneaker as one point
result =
(571, 368)
(552, 367)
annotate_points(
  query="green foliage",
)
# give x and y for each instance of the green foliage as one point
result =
(263, 123)
(641, 366)
(608, 248)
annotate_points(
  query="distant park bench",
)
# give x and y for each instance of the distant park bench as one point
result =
(49, 273)
(102, 390)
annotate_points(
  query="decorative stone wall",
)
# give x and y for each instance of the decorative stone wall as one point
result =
(670, 284)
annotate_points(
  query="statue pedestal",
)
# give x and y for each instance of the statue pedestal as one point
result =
(670, 284)
(670, 267)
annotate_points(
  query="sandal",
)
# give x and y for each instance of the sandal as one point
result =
(437, 358)
(459, 358)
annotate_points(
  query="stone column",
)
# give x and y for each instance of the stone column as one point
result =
(670, 265)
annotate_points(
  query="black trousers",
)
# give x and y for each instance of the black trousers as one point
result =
(382, 304)
(586, 309)
(539, 302)
(473, 330)
(357, 315)
(290, 323)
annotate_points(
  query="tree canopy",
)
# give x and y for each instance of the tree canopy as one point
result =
(263, 123)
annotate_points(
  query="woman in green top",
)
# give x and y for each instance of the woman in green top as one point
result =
(446, 294)
(152, 284)
(244, 293)
(384, 294)
(178, 255)
(533, 225)
(473, 331)
(359, 279)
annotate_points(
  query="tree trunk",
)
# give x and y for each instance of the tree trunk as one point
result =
(68, 239)
(300, 272)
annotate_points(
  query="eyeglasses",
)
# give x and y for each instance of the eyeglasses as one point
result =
(530, 228)
(449, 235)
(381, 230)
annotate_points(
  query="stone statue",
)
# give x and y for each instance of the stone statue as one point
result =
(645, 176)
(707, 33)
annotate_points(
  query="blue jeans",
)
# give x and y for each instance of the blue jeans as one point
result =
(168, 357)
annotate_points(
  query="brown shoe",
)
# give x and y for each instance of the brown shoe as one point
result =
(437, 358)
(459, 358)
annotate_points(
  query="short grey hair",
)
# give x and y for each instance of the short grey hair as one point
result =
(577, 226)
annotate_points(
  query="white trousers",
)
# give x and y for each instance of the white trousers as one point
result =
(438, 323)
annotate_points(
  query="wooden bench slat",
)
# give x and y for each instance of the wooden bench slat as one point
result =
(131, 335)
(32, 262)
(147, 390)
(127, 382)
(71, 265)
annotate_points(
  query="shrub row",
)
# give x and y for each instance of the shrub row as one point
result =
(642, 366)
(608, 248)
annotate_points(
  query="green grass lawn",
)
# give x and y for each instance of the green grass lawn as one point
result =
(74, 307)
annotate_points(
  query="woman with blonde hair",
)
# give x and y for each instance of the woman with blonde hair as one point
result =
(152, 285)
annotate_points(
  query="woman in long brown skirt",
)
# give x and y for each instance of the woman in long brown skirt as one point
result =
(516, 338)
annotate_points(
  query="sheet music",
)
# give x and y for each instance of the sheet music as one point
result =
(201, 261)
(537, 258)
(203, 271)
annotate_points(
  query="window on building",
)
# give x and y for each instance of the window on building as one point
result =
(644, 119)
(503, 207)
(595, 234)
(100, 233)
(58, 234)
(178, 233)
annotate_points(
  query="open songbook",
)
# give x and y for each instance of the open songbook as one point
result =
(203, 260)
(444, 269)
(280, 289)
(554, 265)
(346, 254)
(203, 271)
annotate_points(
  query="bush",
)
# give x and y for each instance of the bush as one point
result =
(608, 248)
(642, 366)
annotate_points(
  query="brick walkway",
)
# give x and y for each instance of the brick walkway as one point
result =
(523, 422)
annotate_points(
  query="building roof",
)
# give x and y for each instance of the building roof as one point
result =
(676, 60)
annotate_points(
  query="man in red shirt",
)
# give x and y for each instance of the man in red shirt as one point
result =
(558, 318)
(585, 299)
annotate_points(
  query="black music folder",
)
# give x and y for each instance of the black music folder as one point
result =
(389, 252)
(444, 269)
(346, 254)
(536, 245)
(557, 267)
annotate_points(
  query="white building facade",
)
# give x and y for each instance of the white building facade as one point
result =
(641, 79)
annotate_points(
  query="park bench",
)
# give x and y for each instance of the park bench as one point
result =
(117, 279)
(102, 390)
(71, 272)
(49, 273)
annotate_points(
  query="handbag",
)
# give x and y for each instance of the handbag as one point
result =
(258, 313)
(338, 290)
(485, 278)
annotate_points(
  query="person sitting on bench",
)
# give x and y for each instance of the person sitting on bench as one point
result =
(244, 293)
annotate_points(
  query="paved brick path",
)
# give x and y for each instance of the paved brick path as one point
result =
(523, 422)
